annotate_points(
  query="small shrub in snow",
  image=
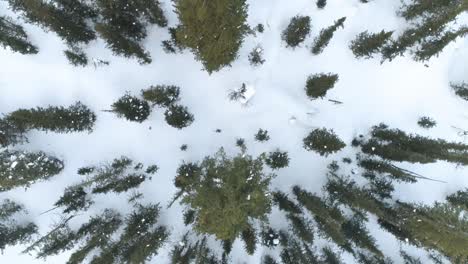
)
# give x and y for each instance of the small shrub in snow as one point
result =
(317, 85)
(260, 28)
(426, 122)
(184, 147)
(178, 116)
(240, 142)
(297, 30)
(277, 159)
(461, 90)
(321, 3)
(162, 95)
(323, 141)
(131, 108)
(256, 56)
(262, 135)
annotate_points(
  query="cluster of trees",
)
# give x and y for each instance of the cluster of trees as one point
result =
(135, 109)
(121, 24)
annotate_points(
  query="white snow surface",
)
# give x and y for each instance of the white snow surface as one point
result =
(397, 93)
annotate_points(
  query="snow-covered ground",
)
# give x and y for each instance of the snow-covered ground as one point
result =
(397, 93)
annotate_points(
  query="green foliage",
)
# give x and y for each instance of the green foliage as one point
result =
(250, 240)
(387, 169)
(262, 135)
(122, 25)
(326, 35)
(267, 259)
(66, 18)
(409, 259)
(318, 85)
(73, 199)
(297, 30)
(189, 217)
(296, 251)
(213, 30)
(19, 168)
(394, 144)
(426, 122)
(440, 227)
(270, 237)
(260, 28)
(321, 4)
(330, 257)
(75, 118)
(14, 37)
(323, 141)
(366, 44)
(76, 57)
(131, 108)
(11, 134)
(355, 230)
(162, 95)
(277, 159)
(461, 90)
(225, 193)
(178, 116)
(12, 232)
(434, 46)
(119, 176)
(141, 238)
(285, 204)
(301, 227)
(460, 198)
(187, 253)
(256, 56)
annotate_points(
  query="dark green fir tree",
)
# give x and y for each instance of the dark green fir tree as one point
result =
(13, 232)
(318, 85)
(14, 37)
(213, 30)
(178, 116)
(277, 159)
(297, 31)
(162, 95)
(131, 108)
(326, 34)
(323, 141)
(21, 169)
(366, 44)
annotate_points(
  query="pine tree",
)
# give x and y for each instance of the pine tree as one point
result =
(12, 232)
(330, 257)
(460, 198)
(131, 108)
(277, 159)
(262, 135)
(123, 25)
(141, 238)
(189, 217)
(326, 35)
(297, 30)
(162, 95)
(185, 252)
(409, 259)
(285, 204)
(208, 190)
(76, 57)
(19, 168)
(214, 30)
(75, 198)
(14, 37)
(11, 134)
(178, 116)
(426, 122)
(250, 240)
(301, 227)
(66, 18)
(270, 237)
(387, 169)
(434, 46)
(396, 145)
(461, 90)
(318, 85)
(355, 230)
(95, 233)
(323, 141)
(295, 251)
(366, 44)
(440, 227)
(321, 4)
(75, 118)
(119, 176)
